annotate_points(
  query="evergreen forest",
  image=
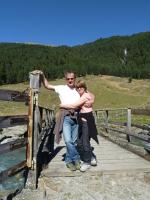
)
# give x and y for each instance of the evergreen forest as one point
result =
(123, 56)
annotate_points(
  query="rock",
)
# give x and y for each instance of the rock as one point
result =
(12, 133)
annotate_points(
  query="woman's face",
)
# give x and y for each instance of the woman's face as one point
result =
(80, 90)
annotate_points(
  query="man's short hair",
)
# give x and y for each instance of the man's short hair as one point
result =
(69, 72)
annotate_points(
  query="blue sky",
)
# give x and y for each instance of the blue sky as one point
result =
(71, 22)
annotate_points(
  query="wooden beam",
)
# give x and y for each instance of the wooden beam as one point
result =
(9, 121)
(140, 111)
(145, 138)
(30, 130)
(144, 127)
(13, 145)
(12, 171)
(11, 95)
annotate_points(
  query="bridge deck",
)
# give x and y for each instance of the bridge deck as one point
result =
(111, 159)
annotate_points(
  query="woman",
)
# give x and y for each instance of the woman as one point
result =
(87, 127)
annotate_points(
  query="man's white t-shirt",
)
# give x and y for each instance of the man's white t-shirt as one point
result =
(66, 94)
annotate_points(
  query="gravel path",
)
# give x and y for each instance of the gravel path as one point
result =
(85, 187)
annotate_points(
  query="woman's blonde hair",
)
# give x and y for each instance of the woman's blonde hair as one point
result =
(81, 84)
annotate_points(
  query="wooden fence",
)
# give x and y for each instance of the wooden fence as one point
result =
(10, 121)
(122, 120)
(38, 137)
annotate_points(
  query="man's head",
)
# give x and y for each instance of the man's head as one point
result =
(70, 79)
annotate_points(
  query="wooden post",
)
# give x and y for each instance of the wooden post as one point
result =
(35, 82)
(128, 123)
(33, 119)
(30, 130)
(96, 118)
(106, 121)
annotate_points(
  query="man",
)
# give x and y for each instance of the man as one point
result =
(68, 95)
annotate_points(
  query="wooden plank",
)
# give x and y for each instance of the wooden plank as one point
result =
(11, 95)
(35, 81)
(144, 127)
(13, 145)
(30, 130)
(111, 158)
(110, 109)
(12, 171)
(9, 121)
(145, 138)
(140, 111)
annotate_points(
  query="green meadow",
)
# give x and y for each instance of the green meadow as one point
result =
(109, 91)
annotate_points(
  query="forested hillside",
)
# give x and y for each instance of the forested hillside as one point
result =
(127, 56)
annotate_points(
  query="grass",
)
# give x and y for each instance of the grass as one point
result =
(110, 92)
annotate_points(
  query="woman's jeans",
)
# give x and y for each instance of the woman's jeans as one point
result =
(70, 134)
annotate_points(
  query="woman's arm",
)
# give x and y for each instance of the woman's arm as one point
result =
(90, 101)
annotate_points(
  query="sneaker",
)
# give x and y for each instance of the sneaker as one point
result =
(84, 167)
(77, 165)
(71, 166)
(93, 161)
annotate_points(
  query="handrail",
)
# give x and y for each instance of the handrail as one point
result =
(108, 120)
(39, 122)
(13, 95)
(143, 138)
(14, 120)
(12, 170)
(13, 145)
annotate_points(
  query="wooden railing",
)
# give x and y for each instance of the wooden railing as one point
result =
(38, 137)
(10, 121)
(126, 121)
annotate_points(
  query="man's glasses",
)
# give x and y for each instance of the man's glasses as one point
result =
(69, 79)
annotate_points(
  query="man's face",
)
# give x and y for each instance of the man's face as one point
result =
(70, 79)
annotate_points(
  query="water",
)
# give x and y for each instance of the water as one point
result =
(8, 160)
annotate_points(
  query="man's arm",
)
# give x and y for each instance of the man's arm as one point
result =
(46, 84)
(77, 104)
(44, 80)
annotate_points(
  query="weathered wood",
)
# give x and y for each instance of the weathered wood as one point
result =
(30, 130)
(111, 158)
(11, 95)
(13, 145)
(35, 82)
(111, 109)
(36, 134)
(106, 120)
(128, 127)
(12, 171)
(145, 138)
(144, 127)
(9, 121)
(140, 111)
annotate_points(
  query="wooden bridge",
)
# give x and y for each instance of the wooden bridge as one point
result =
(45, 160)
(111, 159)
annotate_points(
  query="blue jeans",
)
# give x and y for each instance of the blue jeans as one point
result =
(70, 134)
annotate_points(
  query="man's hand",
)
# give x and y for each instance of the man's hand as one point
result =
(37, 72)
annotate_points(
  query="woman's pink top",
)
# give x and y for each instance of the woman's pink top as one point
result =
(88, 98)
